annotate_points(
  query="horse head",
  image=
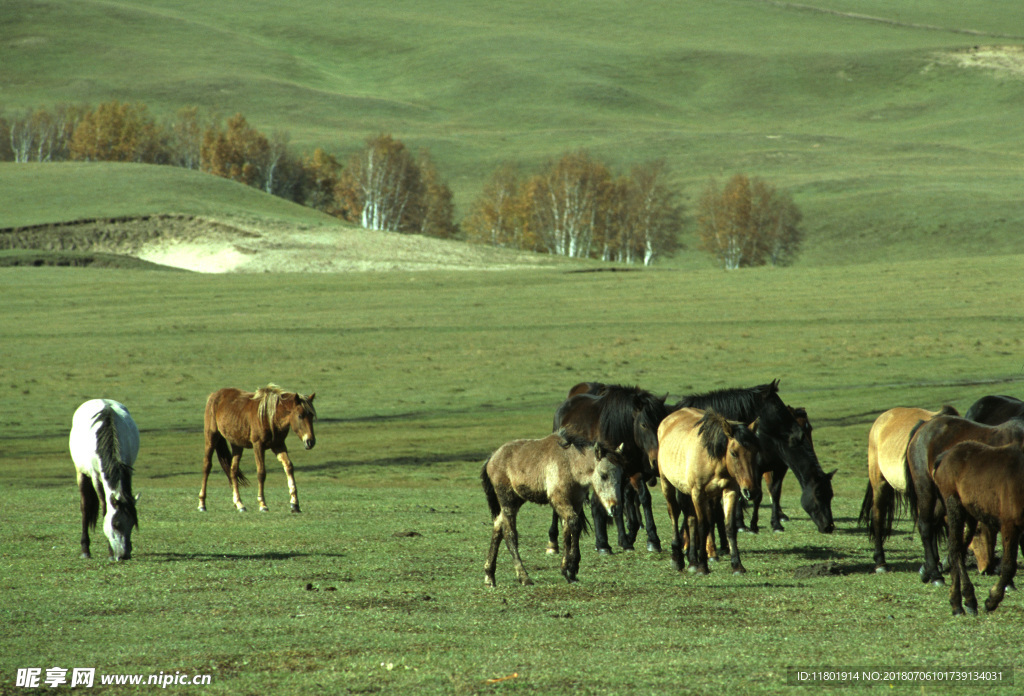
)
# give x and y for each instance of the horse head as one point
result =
(741, 455)
(118, 523)
(787, 436)
(606, 481)
(301, 418)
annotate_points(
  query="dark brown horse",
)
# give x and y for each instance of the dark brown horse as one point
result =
(995, 409)
(928, 442)
(616, 416)
(237, 420)
(991, 410)
(558, 470)
(704, 458)
(979, 482)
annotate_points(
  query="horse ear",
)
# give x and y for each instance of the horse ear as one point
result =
(137, 496)
(599, 451)
(753, 426)
(830, 474)
(311, 397)
(727, 427)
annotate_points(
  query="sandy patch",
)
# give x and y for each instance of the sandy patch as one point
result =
(193, 256)
(1004, 60)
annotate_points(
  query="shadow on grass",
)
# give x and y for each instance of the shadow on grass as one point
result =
(338, 465)
(268, 556)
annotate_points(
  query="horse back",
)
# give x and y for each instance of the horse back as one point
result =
(84, 429)
(233, 414)
(887, 444)
(995, 409)
(679, 447)
(988, 480)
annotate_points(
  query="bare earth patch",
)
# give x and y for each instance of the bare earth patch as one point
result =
(252, 246)
(1004, 60)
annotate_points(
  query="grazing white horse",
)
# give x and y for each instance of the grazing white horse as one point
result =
(104, 444)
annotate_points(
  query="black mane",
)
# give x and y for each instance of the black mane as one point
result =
(737, 404)
(569, 439)
(714, 438)
(116, 472)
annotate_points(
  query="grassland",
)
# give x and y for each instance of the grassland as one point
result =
(418, 377)
(889, 147)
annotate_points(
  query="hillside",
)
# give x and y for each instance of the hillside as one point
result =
(888, 123)
(190, 220)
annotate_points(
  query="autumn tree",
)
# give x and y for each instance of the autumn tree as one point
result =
(498, 215)
(41, 135)
(748, 223)
(563, 203)
(237, 151)
(438, 205)
(185, 138)
(321, 171)
(116, 132)
(652, 217)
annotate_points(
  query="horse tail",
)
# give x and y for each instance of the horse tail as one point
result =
(492, 496)
(865, 510)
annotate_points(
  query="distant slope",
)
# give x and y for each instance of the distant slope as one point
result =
(186, 219)
(891, 145)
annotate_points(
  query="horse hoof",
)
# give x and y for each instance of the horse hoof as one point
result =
(653, 548)
(489, 581)
(295, 509)
(939, 582)
(739, 571)
(264, 509)
(958, 611)
(242, 509)
(550, 551)
(973, 610)
(202, 508)
(86, 554)
(526, 581)
(604, 552)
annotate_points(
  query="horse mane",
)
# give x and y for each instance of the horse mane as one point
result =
(748, 402)
(116, 473)
(271, 396)
(568, 439)
(621, 405)
(713, 437)
(947, 410)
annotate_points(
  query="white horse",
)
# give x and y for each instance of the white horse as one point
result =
(104, 443)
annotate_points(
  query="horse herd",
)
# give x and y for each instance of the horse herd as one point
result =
(610, 443)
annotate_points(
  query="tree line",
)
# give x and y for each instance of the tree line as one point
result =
(574, 206)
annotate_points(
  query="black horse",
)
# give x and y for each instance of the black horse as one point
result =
(993, 410)
(617, 415)
(785, 443)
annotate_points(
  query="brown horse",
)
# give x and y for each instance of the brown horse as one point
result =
(928, 442)
(979, 482)
(887, 472)
(706, 457)
(237, 420)
(557, 470)
(991, 410)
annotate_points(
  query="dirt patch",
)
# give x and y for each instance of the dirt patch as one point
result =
(215, 246)
(1004, 60)
(818, 570)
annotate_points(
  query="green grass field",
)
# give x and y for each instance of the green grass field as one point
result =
(889, 148)
(418, 377)
(908, 293)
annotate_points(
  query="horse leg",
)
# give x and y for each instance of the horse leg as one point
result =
(930, 515)
(631, 509)
(600, 517)
(90, 510)
(882, 496)
(728, 504)
(1011, 539)
(497, 532)
(236, 462)
(261, 475)
(775, 491)
(702, 529)
(207, 465)
(511, 534)
(571, 523)
(625, 495)
(961, 587)
(653, 542)
(553, 534)
(289, 472)
(672, 502)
